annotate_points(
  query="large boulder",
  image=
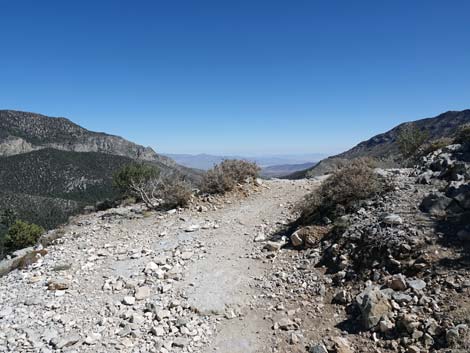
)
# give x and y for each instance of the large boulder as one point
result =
(461, 194)
(436, 204)
(374, 306)
(442, 162)
(459, 171)
(425, 177)
(310, 236)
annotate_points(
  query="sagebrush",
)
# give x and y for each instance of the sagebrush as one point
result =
(225, 176)
(342, 192)
(175, 192)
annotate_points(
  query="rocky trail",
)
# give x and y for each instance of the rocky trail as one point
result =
(392, 275)
(135, 281)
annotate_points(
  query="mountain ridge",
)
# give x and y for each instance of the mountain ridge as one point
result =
(206, 161)
(384, 146)
(22, 132)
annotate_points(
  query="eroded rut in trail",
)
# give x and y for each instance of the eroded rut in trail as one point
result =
(127, 281)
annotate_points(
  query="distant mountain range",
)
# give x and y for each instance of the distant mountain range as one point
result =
(272, 165)
(50, 168)
(282, 170)
(384, 147)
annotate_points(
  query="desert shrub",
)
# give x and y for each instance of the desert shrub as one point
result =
(144, 182)
(31, 258)
(463, 135)
(342, 192)
(434, 145)
(139, 180)
(226, 175)
(21, 235)
(239, 170)
(175, 192)
(410, 139)
(134, 176)
(215, 181)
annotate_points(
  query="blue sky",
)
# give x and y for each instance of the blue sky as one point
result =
(236, 76)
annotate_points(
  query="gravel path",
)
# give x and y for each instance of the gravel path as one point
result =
(130, 281)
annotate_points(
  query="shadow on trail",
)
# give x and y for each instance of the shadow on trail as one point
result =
(453, 236)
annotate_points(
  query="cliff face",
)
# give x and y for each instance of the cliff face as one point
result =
(22, 132)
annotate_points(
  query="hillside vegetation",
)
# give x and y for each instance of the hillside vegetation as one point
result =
(51, 168)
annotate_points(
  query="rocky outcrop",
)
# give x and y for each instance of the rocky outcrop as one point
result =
(398, 264)
(448, 169)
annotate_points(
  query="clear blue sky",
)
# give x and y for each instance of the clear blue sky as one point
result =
(236, 76)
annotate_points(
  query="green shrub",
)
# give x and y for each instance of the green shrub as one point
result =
(134, 176)
(342, 191)
(21, 235)
(410, 139)
(226, 175)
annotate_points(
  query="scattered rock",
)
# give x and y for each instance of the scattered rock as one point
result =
(128, 301)
(296, 239)
(286, 324)
(141, 293)
(374, 306)
(391, 219)
(416, 284)
(57, 285)
(67, 341)
(273, 246)
(398, 282)
(193, 228)
(317, 348)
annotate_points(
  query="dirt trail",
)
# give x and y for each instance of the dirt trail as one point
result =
(126, 281)
(225, 281)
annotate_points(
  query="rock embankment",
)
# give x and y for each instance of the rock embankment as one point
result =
(397, 270)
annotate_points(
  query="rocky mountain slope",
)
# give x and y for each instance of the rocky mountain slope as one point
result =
(384, 146)
(43, 158)
(22, 132)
